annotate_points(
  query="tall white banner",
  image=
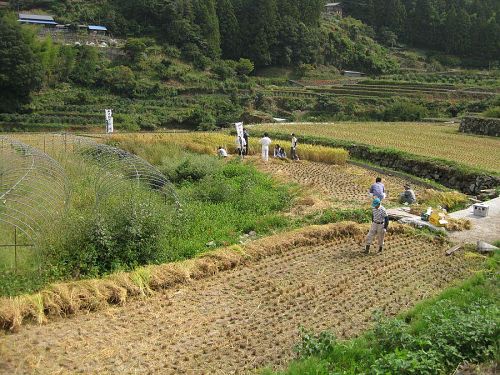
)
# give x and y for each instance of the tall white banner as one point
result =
(108, 113)
(239, 129)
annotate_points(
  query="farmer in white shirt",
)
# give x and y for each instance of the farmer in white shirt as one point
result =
(265, 142)
(293, 149)
(380, 222)
(240, 145)
(222, 152)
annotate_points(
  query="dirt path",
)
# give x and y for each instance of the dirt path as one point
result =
(240, 319)
(345, 186)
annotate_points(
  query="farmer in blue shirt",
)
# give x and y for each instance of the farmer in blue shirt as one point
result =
(380, 222)
(378, 189)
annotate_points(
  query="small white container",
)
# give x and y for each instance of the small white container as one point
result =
(480, 209)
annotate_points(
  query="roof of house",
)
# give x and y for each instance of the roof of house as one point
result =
(97, 28)
(35, 17)
(352, 72)
(39, 22)
(332, 4)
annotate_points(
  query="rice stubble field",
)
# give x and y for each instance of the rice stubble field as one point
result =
(441, 141)
(248, 317)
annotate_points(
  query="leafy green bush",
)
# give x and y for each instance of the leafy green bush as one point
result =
(492, 112)
(119, 79)
(121, 234)
(405, 362)
(315, 345)
(404, 111)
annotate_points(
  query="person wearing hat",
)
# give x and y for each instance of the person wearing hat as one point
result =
(407, 196)
(380, 222)
(293, 149)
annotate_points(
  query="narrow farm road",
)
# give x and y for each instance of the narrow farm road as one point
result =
(244, 318)
(483, 228)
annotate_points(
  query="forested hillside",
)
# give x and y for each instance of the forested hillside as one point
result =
(201, 64)
(463, 27)
(265, 31)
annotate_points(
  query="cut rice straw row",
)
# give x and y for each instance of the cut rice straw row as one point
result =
(69, 298)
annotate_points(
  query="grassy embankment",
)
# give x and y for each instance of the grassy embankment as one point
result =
(436, 336)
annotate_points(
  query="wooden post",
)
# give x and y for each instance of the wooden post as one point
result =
(15, 248)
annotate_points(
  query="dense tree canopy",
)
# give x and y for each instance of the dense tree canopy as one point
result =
(20, 70)
(462, 27)
(265, 31)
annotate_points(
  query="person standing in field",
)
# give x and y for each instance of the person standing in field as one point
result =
(240, 145)
(293, 149)
(380, 222)
(378, 189)
(245, 137)
(265, 141)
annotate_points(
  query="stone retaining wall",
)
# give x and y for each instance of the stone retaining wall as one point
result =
(481, 126)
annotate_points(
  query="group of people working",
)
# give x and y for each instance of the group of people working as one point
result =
(242, 147)
(380, 219)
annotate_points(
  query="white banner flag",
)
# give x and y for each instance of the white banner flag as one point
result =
(108, 113)
(239, 129)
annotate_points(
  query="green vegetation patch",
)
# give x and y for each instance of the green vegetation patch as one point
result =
(132, 225)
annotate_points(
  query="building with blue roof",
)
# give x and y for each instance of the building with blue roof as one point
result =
(37, 19)
(97, 28)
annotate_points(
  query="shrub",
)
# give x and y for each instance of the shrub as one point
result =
(223, 70)
(244, 67)
(406, 362)
(119, 79)
(492, 112)
(121, 235)
(190, 170)
(315, 345)
(404, 111)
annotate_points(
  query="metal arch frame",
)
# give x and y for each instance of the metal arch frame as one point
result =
(116, 163)
(33, 187)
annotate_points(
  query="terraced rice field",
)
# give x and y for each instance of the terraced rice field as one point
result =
(247, 317)
(439, 141)
(346, 186)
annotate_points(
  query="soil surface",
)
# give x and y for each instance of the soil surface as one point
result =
(244, 318)
(346, 186)
(483, 228)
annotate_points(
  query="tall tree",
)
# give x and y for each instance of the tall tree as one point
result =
(229, 30)
(206, 18)
(20, 71)
(259, 30)
(423, 26)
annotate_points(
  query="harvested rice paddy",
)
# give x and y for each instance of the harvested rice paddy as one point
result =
(438, 141)
(247, 317)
